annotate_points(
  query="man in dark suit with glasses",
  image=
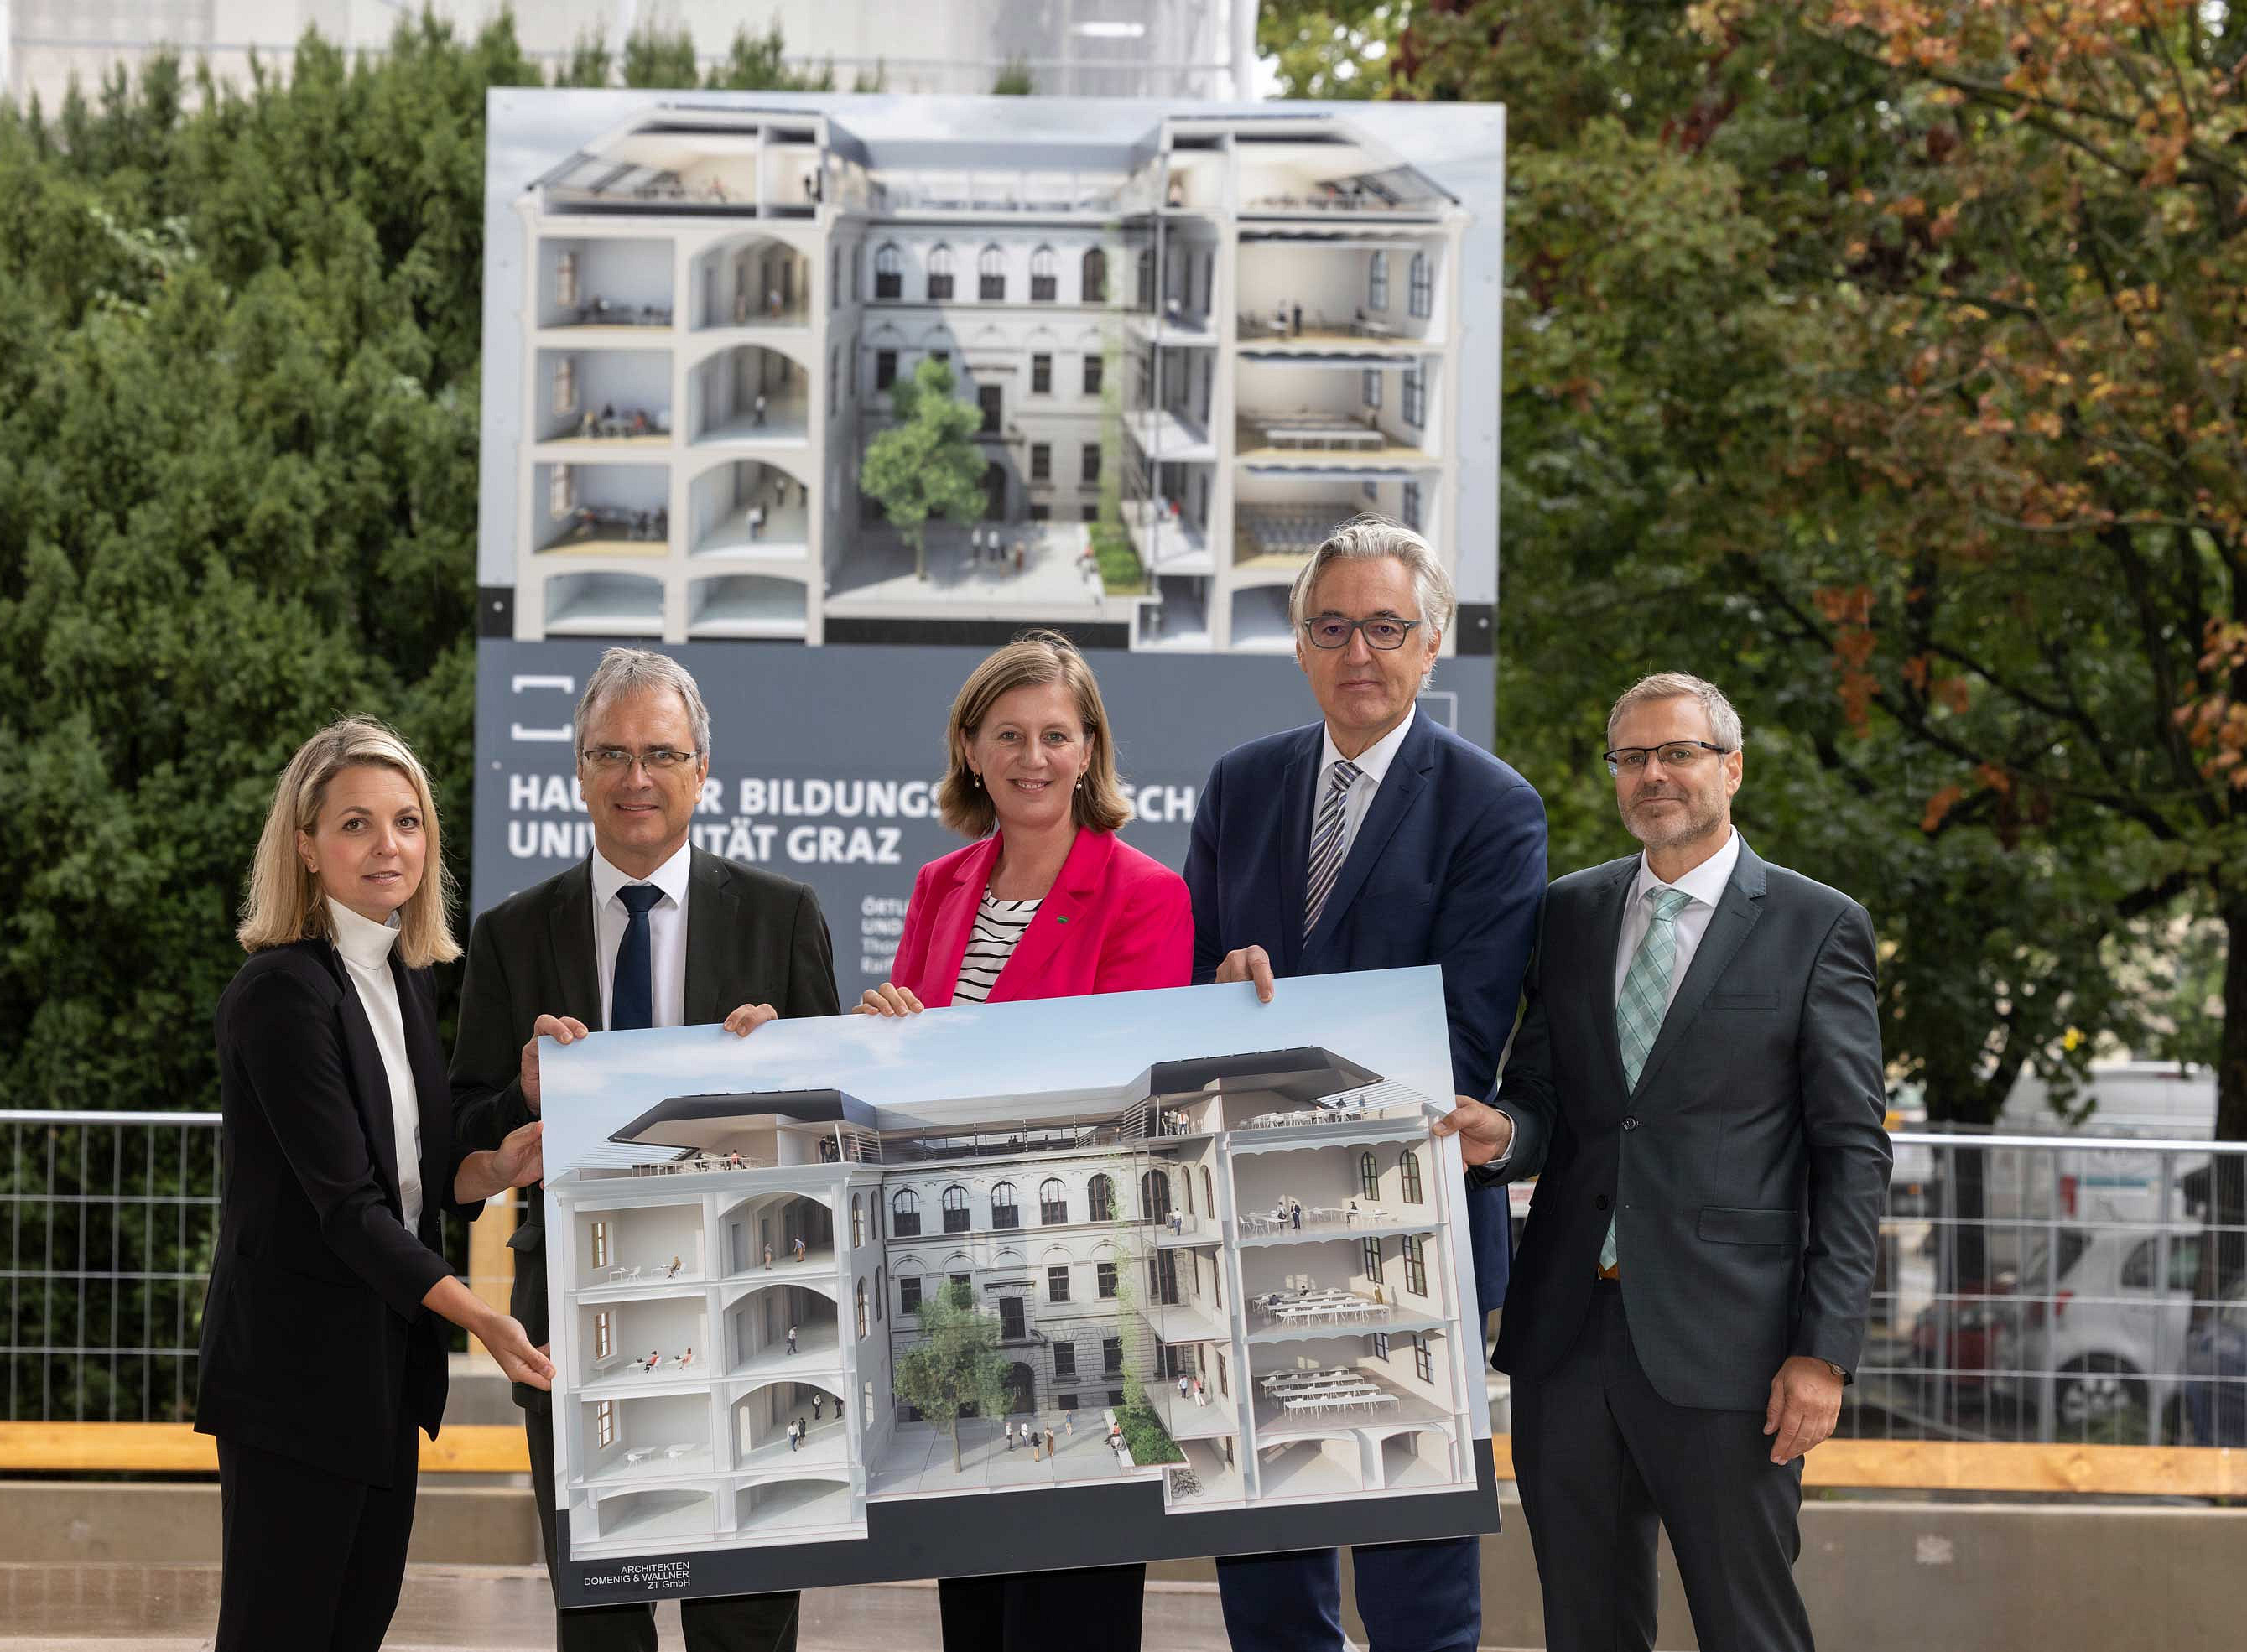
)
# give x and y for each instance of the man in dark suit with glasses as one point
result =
(1697, 1087)
(1373, 839)
(608, 944)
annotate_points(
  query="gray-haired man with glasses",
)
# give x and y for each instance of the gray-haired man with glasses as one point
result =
(1375, 838)
(647, 931)
(1697, 1087)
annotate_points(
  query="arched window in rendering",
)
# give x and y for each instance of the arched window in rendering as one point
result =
(1100, 1194)
(939, 271)
(1408, 1168)
(1190, 1209)
(889, 271)
(1155, 1196)
(1377, 281)
(1053, 1201)
(991, 275)
(861, 1307)
(1147, 279)
(1045, 285)
(1005, 1212)
(878, 1294)
(1208, 1191)
(1420, 288)
(857, 1223)
(1095, 277)
(905, 1213)
(1368, 1176)
(955, 1209)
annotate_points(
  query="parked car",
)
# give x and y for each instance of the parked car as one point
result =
(2110, 1323)
(1963, 1343)
(2216, 1374)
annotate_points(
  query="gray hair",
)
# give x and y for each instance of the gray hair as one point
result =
(1723, 721)
(631, 671)
(1367, 539)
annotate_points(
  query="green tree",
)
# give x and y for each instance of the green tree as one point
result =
(1886, 369)
(956, 1366)
(239, 339)
(240, 334)
(1339, 49)
(1013, 79)
(926, 464)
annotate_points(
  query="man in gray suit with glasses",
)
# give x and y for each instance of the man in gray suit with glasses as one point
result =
(1696, 1086)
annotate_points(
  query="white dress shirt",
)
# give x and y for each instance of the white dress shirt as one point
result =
(365, 946)
(666, 934)
(1706, 884)
(1373, 768)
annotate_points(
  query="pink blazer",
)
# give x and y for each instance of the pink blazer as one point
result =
(1115, 921)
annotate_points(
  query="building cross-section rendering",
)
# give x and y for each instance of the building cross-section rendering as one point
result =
(1255, 1244)
(1209, 344)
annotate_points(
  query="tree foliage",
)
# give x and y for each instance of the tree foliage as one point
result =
(1881, 362)
(240, 331)
(926, 464)
(957, 1366)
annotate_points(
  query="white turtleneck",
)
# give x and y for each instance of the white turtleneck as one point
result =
(365, 945)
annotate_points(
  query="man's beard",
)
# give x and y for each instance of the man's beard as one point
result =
(1700, 815)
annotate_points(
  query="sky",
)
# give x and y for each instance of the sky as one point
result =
(1390, 1021)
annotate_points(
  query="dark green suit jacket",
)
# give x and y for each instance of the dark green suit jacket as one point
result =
(753, 937)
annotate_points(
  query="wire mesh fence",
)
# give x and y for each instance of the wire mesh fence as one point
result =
(2042, 1289)
(108, 1224)
(2065, 1289)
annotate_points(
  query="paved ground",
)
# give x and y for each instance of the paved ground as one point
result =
(74, 1608)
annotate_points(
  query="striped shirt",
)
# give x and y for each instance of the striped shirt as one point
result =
(999, 926)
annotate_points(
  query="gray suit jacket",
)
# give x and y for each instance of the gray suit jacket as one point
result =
(1745, 1170)
(753, 937)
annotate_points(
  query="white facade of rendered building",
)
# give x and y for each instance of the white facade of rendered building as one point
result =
(1225, 337)
(682, 1456)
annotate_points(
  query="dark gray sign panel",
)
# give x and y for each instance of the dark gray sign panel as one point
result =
(825, 760)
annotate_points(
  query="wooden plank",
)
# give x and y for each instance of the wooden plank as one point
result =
(1973, 1465)
(175, 1448)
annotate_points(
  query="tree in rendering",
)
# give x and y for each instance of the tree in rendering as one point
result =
(927, 463)
(956, 1364)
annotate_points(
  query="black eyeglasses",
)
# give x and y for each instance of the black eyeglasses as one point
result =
(1676, 753)
(1381, 632)
(613, 759)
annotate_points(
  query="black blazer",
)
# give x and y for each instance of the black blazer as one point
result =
(752, 938)
(314, 1337)
(1745, 1172)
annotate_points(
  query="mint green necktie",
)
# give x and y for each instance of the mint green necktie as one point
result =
(1644, 1001)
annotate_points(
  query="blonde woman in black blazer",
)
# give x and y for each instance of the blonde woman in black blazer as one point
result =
(322, 1353)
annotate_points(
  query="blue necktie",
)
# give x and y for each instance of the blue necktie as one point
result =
(631, 995)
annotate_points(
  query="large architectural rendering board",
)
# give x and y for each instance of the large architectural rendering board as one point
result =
(1028, 1286)
(1206, 331)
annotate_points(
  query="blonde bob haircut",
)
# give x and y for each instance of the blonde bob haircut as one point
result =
(285, 902)
(1033, 661)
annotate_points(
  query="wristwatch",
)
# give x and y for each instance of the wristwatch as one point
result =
(1839, 1374)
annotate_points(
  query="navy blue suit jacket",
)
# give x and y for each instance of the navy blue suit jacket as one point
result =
(1448, 868)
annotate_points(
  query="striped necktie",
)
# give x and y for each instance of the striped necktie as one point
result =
(1327, 840)
(1644, 1002)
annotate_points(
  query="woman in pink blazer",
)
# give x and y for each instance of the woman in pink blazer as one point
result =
(1047, 903)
